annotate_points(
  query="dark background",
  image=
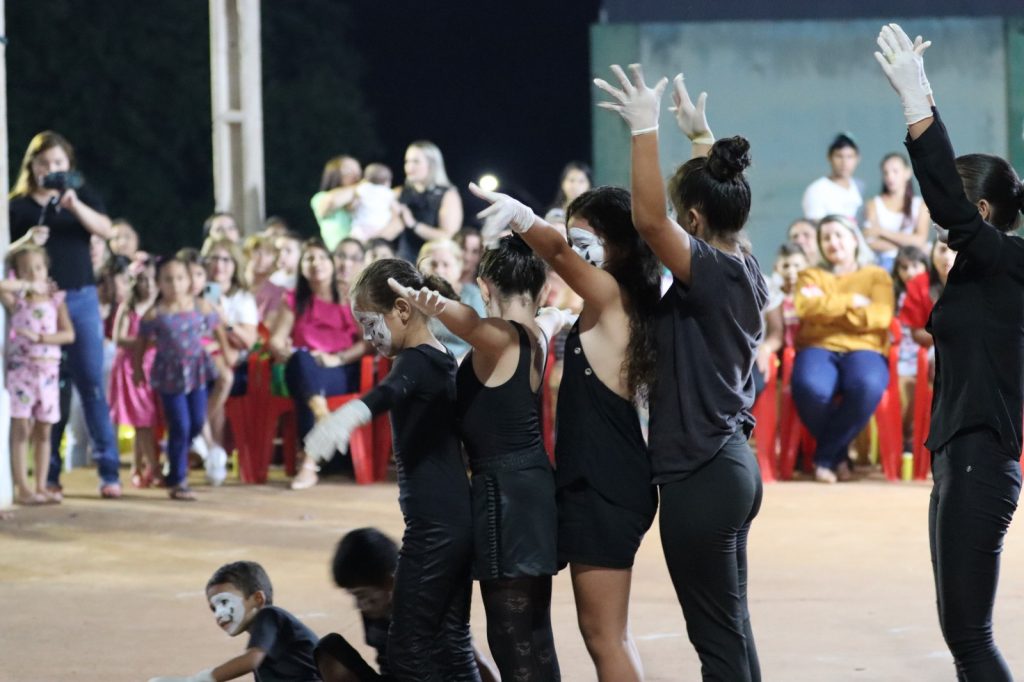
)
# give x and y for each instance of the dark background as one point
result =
(501, 87)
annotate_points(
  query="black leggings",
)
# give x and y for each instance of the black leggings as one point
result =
(704, 522)
(429, 638)
(519, 628)
(975, 492)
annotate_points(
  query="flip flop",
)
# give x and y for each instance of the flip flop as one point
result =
(182, 494)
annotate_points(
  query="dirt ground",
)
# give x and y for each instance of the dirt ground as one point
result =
(841, 587)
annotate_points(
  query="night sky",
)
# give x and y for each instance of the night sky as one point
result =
(498, 86)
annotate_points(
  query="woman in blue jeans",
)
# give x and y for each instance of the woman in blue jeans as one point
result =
(64, 217)
(845, 307)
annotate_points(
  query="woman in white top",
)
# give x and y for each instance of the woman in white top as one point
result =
(837, 194)
(895, 217)
(236, 306)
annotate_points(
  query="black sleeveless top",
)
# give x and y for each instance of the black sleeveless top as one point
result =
(498, 422)
(599, 437)
(426, 208)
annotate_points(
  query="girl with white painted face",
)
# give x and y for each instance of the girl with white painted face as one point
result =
(605, 499)
(429, 636)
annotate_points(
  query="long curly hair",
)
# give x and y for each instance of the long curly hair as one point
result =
(628, 258)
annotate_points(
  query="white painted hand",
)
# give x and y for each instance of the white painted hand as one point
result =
(504, 212)
(429, 302)
(638, 104)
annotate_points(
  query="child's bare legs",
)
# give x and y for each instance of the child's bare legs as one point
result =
(602, 609)
(41, 448)
(21, 432)
(145, 461)
(215, 419)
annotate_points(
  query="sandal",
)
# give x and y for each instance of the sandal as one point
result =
(51, 497)
(182, 493)
(31, 500)
(307, 476)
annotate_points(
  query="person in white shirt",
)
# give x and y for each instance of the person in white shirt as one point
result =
(896, 217)
(838, 193)
(375, 203)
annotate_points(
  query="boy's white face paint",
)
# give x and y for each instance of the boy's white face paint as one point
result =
(587, 245)
(229, 610)
(375, 330)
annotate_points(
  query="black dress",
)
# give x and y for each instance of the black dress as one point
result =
(425, 207)
(606, 501)
(515, 529)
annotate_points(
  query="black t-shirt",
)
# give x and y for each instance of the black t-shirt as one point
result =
(68, 245)
(978, 321)
(288, 644)
(420, 394)
(376, 630)
(707, 336)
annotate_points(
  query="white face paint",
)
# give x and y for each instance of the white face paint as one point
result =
(375, 330)
(588, 245)
(229, 610)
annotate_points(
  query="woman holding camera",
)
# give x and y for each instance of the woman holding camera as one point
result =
(46, 207)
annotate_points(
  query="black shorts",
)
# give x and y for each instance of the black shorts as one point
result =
(336, 647)
(595, 531)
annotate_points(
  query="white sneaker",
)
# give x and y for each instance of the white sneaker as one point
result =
(217, 465)
(825, 475)
(200, 447)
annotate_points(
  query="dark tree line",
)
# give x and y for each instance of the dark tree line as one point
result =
(129, 84)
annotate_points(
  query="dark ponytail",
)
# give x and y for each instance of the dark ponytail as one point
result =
(993, 179)
(371, 291)
(716, 186)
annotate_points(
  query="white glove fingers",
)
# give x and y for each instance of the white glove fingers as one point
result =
(921, 45)
(702, 100)
(638, 75)
(400, 289)
(610, 89)
(488, 212)
(682, 97)
(902, 38)
(627, 86)
(483, 194)
(659, 89)
(888, 42)
(886, 67)
(611, 106)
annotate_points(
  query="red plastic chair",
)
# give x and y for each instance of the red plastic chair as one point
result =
(922, 417)
(364, 463)
(382, 426)
(766, 428)
(795, 436)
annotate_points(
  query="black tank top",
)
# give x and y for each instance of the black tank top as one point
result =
(598, 435)
(500, 425)
(425, 207)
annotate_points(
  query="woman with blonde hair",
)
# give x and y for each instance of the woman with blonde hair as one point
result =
(444, 258)
(429, 207)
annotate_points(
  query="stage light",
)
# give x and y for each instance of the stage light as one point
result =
(488, 182)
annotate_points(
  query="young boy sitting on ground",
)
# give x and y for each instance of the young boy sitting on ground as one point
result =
(364, 566)
(280, 648)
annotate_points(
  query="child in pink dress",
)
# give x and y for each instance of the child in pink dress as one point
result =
(133, 404)
(40, 325)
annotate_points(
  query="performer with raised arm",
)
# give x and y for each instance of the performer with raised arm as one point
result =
(978, 327)
(515, 526)
(708, 328)
(605, 498)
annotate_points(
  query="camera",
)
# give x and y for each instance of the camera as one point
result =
(62, 180)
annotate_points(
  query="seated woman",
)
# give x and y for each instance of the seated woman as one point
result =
(840, 373)
(236, 307)
(317, 337)
(261, 263)
(443, 257)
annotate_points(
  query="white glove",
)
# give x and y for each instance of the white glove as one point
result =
(202, 676)
(552, 320)
(638, 104)
(504, 212)
(903, 65)
(331, 434)
(429, 302)
(691, 119)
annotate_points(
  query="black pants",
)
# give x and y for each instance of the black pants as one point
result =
(704, 524)
(975, 492)
(429, 639)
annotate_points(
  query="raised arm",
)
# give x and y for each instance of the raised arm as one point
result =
(489, 335)
(595, 286)
(640, 106)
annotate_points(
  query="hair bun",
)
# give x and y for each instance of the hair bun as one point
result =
(729, 157)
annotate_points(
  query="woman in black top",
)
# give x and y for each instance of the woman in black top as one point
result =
(514, 514)
(708, 328)
(429, 638)
(978, 327)
(64, 221)
(605, 498)
(429, 207)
